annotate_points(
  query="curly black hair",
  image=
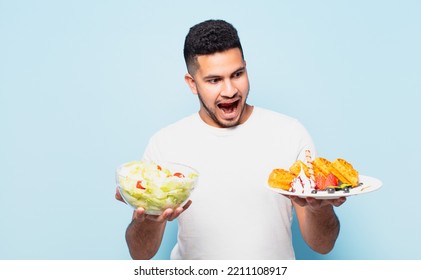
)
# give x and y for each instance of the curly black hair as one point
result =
(208, 37)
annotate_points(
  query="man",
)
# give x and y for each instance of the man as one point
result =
(234, 146)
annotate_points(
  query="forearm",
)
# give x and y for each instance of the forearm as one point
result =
(144, 238)
(321, 229)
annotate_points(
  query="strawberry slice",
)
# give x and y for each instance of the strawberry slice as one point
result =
(320, 182)
(331, 181)
(323, 182)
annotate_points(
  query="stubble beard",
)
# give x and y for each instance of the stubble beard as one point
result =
(222, 124)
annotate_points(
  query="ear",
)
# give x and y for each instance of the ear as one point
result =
(191, 83)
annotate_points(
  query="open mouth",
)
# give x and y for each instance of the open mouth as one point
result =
(228, 107)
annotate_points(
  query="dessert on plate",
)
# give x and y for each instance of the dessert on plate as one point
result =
(315, 175)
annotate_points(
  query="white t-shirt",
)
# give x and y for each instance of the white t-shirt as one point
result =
(234, 215)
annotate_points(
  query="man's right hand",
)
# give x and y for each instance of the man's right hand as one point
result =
(144, 233)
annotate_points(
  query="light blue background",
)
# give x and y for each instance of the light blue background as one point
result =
(84, 84)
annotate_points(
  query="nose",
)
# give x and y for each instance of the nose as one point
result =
(229, 89)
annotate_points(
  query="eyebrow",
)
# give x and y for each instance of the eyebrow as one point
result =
(211, 76)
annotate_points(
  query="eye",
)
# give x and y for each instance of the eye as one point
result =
(238, 74)
(214, 80)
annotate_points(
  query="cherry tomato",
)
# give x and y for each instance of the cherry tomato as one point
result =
(178, 174)
(139, 185)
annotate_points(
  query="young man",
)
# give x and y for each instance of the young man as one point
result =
(234, 146)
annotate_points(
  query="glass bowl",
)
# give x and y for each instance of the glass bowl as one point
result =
(155, 186)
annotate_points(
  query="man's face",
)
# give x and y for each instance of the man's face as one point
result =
(222, 84)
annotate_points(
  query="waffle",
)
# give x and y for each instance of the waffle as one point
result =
(281, 179)
(321, 166)
(344, 171)
(296, 167)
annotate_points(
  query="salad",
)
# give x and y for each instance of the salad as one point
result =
(155, 187)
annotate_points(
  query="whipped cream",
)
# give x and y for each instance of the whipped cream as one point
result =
(302, 184)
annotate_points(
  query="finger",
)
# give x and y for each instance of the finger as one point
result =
(338, 202)
(300, 201)
(335, 202)
(139, 214)
(174, 215)
(166, 215)
(314, 203)
(187, 205)
(161, 218)
(179, 210)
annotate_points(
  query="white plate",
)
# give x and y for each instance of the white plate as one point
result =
(369, 184)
